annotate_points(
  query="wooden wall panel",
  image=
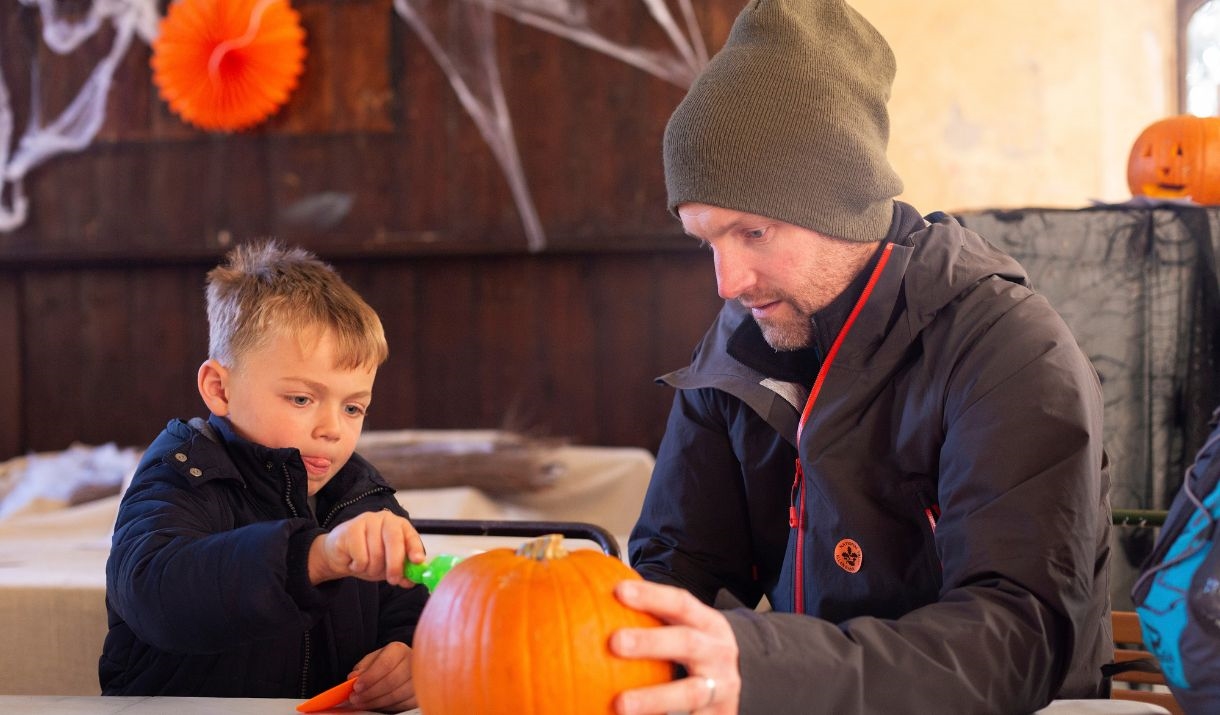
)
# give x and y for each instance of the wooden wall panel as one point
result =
(12, 437)
(166, 339)
(101, 289)
(558, 345)
(345, 86)
(567, 358)
(374, 119)
(553, 345)
(510, 323)
(390, 287)
(133, 110)
(53, 360)
(626, 304)
(18, 52)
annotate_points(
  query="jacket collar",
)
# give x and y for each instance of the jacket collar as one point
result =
(284, 469)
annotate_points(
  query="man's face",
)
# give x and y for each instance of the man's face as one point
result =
(290, 394)
(783, 273)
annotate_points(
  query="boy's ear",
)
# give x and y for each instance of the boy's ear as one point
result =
(213, 380)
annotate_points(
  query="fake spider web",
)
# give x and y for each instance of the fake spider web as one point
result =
(467, 58)
(76, 126)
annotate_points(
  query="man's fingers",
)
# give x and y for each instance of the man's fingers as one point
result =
(683, 695)
(675, 643)
(671, 605)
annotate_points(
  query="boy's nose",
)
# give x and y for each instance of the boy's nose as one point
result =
(327, 426)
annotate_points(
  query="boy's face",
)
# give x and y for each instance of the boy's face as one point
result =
(290, 394)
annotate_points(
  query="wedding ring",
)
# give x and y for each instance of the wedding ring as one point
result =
(711, 691)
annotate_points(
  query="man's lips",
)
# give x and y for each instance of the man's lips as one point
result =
(761, 307)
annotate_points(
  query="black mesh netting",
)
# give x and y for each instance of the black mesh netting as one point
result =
(1138, 287)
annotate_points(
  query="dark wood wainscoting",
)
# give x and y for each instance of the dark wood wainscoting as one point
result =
(377, 165)
(564, 345)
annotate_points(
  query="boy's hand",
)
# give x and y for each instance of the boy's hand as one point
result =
(384, 680)
(373, 546)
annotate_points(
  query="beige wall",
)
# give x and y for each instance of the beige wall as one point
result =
(1034, 103)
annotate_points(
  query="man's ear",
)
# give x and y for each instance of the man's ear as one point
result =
(213, 380)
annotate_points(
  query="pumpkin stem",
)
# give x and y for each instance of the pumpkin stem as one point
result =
(544, 548)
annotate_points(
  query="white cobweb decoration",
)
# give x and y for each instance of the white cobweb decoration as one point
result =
(76, 126)
(467, 58)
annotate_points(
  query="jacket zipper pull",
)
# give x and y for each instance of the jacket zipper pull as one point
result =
(793, 521)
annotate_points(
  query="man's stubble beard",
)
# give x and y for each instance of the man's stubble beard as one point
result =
(788, 335)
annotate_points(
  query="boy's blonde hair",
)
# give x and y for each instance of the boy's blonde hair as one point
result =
(265, 289)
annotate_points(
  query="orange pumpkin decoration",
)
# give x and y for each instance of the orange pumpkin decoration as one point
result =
(1177, 158)
(527, 631)
(228, 64)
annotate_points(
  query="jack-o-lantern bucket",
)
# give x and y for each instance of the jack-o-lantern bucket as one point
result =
(1177, 158)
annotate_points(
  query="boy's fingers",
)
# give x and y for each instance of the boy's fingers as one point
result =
(394, 554)
(415, 548)
(357, 550)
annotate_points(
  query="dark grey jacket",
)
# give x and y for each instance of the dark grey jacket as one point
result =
(950, 528)
(207, 584)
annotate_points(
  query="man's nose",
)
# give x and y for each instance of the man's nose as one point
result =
(734, 275)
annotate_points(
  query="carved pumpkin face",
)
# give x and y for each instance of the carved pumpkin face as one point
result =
(1177, 158)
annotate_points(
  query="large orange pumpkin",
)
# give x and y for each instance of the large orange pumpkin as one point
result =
(1177, 158)
(526, 632)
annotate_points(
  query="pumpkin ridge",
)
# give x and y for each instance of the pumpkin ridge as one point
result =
(511, 572)
(555, 569)
(465, 588)
(608, 665)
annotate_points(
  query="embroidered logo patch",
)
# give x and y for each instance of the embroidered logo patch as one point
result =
(848, 555)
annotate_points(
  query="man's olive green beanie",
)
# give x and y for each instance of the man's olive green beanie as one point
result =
(789, 121)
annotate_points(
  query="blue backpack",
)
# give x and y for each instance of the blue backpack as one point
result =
(1178, 592)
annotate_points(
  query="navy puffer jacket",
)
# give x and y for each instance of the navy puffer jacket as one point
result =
(207, 587)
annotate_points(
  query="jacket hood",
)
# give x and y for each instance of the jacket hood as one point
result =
(928, 270)
(946, 261)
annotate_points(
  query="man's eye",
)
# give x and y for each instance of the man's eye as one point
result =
(755, 233)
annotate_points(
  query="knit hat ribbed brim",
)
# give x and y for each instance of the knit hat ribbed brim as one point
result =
(789, 121)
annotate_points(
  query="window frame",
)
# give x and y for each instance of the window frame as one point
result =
(1185, 10)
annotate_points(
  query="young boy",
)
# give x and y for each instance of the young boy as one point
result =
(255, 554)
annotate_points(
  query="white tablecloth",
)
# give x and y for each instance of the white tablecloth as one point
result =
(52, 564)
(77, 705)
(98, 705)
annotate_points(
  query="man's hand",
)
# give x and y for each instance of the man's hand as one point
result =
(383, 680)
(696, 636)
(372, 547)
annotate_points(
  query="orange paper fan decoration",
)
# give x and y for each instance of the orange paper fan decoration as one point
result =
(228, 64)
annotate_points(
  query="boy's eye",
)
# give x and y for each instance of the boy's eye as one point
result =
(299, 400)
(355, 410)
